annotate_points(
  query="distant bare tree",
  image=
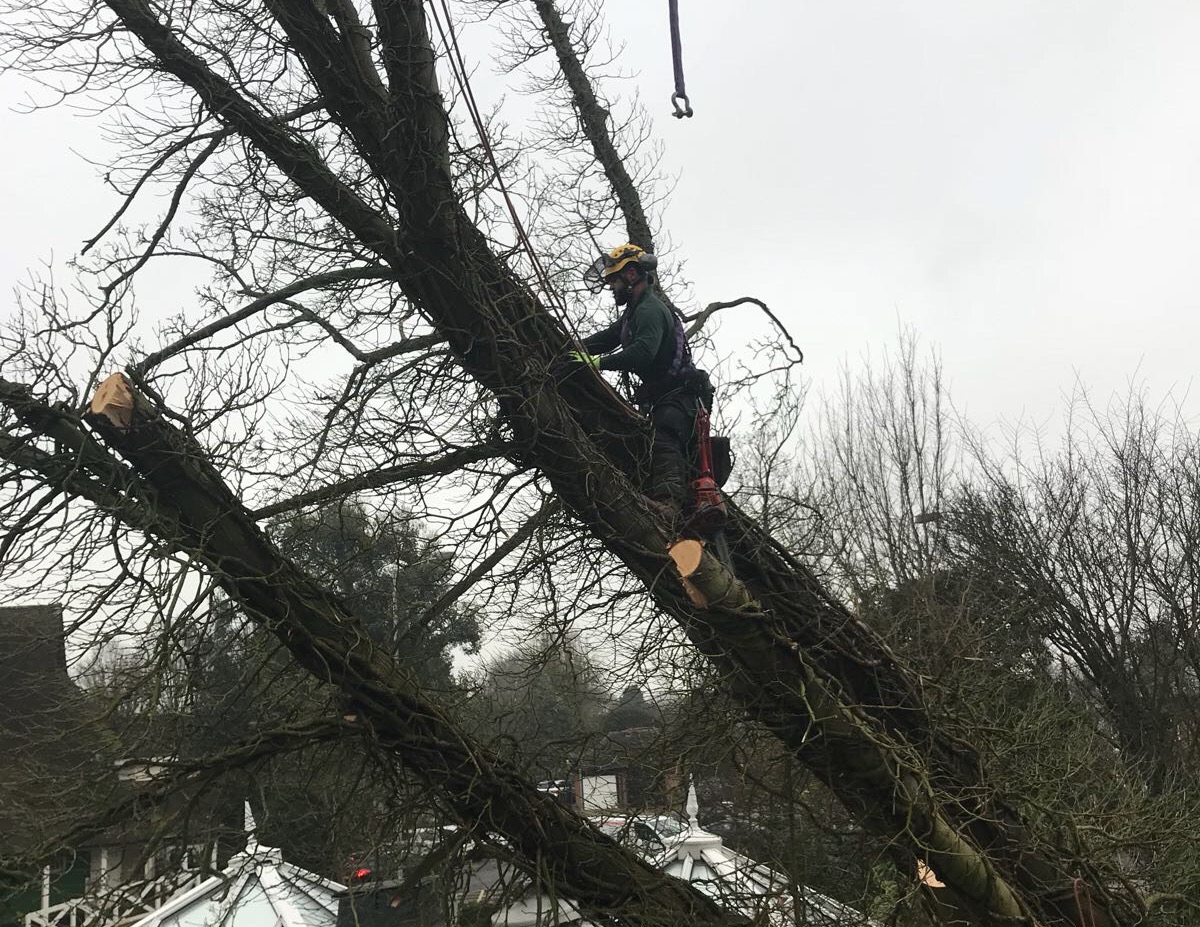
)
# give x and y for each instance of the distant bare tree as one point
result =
(1099, 538)
(1045, 593)
(857, 479)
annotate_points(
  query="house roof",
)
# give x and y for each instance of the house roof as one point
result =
(56, 758)
(33, 663)
(256, 889)
(536, 909)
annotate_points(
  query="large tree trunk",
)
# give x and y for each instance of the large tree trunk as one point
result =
(797, 660)
(193, 510)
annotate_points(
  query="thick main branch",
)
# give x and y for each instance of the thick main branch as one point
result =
(797, 660)
(327, 640)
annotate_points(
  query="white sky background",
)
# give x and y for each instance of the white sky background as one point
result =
(1018, 181)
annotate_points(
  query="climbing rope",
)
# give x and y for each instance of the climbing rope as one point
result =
(458, 68)
(679, 98)
(1083, 894)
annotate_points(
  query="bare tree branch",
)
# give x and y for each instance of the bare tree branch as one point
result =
(593, 119)
(194, 778)
(448, 463)
(283, 294)
(549, 509)
(699, 318)
(326, 639)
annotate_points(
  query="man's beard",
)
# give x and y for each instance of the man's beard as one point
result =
(621, 296)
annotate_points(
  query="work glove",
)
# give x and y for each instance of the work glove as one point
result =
(580, 357)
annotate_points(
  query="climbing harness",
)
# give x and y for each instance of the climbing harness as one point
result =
(681, 367)
(679, 98)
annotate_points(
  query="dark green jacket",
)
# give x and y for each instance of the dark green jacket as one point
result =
(649, 347)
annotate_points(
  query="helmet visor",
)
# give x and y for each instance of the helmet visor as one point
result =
(593, 277)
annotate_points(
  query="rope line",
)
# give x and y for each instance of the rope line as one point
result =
(1083, 895)
(458, 69)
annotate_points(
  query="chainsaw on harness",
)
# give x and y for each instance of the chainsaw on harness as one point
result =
(708, 504)
(705, 526)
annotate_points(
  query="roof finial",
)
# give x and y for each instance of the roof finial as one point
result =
(251, 827)
(693, 806)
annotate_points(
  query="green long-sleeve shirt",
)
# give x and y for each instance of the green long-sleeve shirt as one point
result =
(651, 346)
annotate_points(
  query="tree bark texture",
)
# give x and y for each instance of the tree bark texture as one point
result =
(798, 661)
(196, 512)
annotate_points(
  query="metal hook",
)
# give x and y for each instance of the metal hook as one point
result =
(685, 109)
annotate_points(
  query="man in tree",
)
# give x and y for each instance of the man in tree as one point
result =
(648, 340)
(391, 230)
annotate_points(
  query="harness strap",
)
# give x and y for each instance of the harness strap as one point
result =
(681, 354)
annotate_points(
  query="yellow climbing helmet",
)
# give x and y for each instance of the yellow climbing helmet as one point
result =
(612, 262)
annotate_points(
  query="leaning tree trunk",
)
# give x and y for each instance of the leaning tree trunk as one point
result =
(796, 659)
(877, 776)
(810, 617)
(180, 499)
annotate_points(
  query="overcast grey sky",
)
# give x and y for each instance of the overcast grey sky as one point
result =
(1018, 181)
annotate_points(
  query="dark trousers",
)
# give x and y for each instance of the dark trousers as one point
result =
(673, 419)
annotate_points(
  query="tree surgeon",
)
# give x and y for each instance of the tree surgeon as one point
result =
(648, 340)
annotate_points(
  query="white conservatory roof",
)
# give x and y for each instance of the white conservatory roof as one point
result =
(740, 884)
(256, 889)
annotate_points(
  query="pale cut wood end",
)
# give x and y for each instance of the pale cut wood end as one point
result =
(114, 400)
(686, 554)
(926, 876)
